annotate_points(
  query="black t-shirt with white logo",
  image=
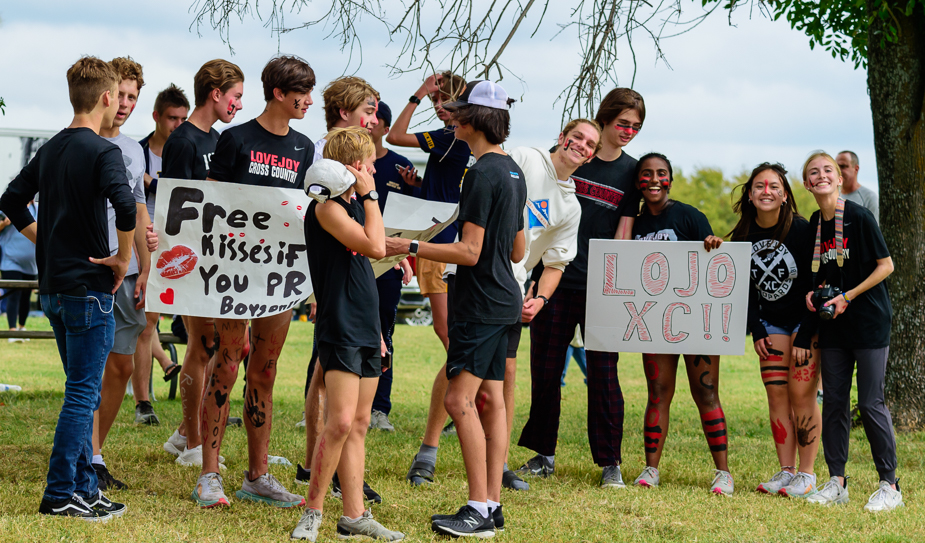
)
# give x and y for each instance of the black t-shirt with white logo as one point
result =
(345, 287)
(780, 276)
(678, 222)
(187, 152)
(493, 196)
(867, 322)
(251, 155)
(607, 192)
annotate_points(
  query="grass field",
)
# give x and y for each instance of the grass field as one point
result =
(566, 507)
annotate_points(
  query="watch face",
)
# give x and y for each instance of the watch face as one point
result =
(373, 195)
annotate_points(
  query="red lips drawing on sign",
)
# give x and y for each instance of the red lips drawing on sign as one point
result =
(177, 262)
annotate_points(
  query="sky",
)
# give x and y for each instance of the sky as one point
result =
(733, 96)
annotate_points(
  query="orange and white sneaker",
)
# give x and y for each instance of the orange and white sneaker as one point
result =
(209, 491)
(722, 483)
(801, 486)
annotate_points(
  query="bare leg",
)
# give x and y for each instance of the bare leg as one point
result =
(438, 308)
(314, 411)
(806, 416)
(141, 376)
(436, 414)
(703, 376)
(460, 404)
(199, 351)
(352, 464)
(510, 375)
(661, 372)
(774, 373)
(221, 382)
(116, 375)
(497, 429)
(341, 409)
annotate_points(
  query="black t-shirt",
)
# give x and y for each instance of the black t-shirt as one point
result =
(345, 287)
(250, 155)
(678, 222)
(75, 173)
(446, 166)
(493, 196)
(780, 276)
(607, 192)
(187, 152)
(387, 177)
(867, 321)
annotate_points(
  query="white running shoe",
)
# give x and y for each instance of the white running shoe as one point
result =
(778, 481)
(722, 483)
(830, 493)
(266, 489)
(307, 527)
(176, 444)
(885, 498)
(301, 424)
(649, 478)
(801, 486)
(209, 491)
(193, 458)
(364, 527)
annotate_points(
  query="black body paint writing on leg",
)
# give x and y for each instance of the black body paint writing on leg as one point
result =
(255, 414)
(703, 384)
(702, 358)
(205, 345)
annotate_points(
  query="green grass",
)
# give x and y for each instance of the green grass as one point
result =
(567, 507)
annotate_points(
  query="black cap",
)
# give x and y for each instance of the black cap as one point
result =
(385, 113)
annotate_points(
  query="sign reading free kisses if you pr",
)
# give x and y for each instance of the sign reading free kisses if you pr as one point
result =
(660, 297)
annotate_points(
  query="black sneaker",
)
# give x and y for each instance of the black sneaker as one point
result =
(102, 503)
(466, 522)
(448, 430)
(234, 421)
(303, 476)
(368, 493)
(420, 472)
(73, 507)
(144, 414)
(105, 480)
(538, 466)
(509, 479)
(497, 516)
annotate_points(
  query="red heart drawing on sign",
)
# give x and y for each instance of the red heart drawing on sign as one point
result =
(167, 296)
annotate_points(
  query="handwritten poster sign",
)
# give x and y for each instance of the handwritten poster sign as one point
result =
(228, 250)
(667, 297)
(412, 218)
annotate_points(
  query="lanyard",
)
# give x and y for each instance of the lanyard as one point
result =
(839, 236)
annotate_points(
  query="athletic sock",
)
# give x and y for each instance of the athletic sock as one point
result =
(492, 506)
(506, 468)
(550, 459)
(98, 459)
(481, 507)
(427, 454)
(812, 476)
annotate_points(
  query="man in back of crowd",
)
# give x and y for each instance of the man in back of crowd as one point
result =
(852, 189)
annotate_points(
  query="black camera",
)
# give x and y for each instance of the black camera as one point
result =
(823, 295)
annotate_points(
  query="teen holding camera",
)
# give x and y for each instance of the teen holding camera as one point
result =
(850, 254)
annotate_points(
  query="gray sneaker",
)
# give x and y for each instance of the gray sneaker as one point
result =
(307, 527)
(209, 491)
(778, 481)
(802, 485)
(266, 489)
(722, 483)
(648, 478)
(538, 466)
(380, 421)
(612, 478)
(144, 414)
(365, 526)
(830, 493)
(885, 498)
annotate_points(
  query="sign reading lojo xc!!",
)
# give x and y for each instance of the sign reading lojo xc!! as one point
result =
(228, 250)
(667, 297)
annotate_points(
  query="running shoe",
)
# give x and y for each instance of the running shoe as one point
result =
(537, 466)
(722, 483)
(105, 480)
(448, 430)
(649, 478)
(612, 478)
(193, 458)
(368, 493)
(511, 480)
(380, 421)
(102, 503)
(365, 526)
(302, 476)
(831, 493)
(144, 414)
(175, 444)
(420, 472)
(801, 486)
(307, 527)
(778, 481)
(237, 422)
(73, 507)
(301, 423)
(209, 491)
(885, 498)
(266, 489)
(466, 522)
(497, 516)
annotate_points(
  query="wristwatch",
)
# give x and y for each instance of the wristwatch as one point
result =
(545, 300)
(414, 100)
(413, 248)
(371, 195)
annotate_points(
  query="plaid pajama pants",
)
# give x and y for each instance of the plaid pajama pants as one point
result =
(550, 334)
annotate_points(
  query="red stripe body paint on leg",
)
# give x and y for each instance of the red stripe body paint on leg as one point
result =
(714, 425)
(651, 431)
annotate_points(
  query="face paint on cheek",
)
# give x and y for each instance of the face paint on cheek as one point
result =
(133, 107)
(644, 182)
(665, 181)
(295, 104)
(567, 145)
(231, 107)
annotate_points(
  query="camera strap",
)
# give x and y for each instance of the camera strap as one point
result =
(839, 237)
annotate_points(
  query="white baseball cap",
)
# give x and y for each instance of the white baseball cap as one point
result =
(327, 178)
(481, 93)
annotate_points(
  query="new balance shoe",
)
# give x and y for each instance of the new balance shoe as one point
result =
(722, 483)
(801, 486)
(175, 444)
(511, 480)
(209, 491)
(466, 522)
(649, 478)
(497, 516)
(421, 472)
(885, 498)
(73, 507)
(537, 466)
(302, 476)
(144, 414)
(102, 503)
(612, 478)
(266, 489)
(369, 494)
(778, 481)
(193, 458)
(831, 493)
(105, 480)
(307, 527)
(380, 421)
(365, 526)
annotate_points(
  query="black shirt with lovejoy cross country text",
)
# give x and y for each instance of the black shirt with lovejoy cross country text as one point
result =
(251, 155)
(187, 152)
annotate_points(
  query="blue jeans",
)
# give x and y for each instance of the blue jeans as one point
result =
(579, 355)
(84, 329)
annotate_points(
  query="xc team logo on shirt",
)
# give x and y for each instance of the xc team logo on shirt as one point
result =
(539, 213)
(774, 269)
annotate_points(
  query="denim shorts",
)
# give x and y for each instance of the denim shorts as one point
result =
(773, 329)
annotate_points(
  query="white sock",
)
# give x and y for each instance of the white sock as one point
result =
(812, 476)
(481, 507)
(492, 506)
(98, 459)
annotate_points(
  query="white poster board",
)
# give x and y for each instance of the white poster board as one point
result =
(228, 250)
(667, 297)
(412, 218)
